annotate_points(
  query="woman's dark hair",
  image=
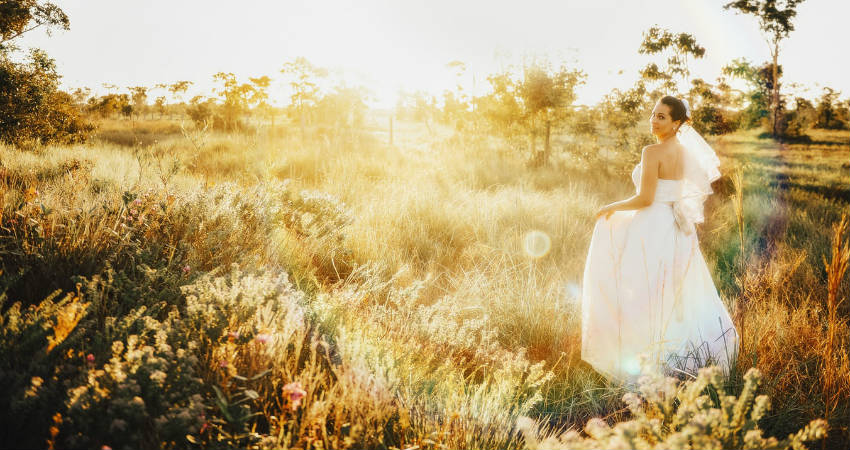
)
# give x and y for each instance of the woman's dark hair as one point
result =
(677, 108)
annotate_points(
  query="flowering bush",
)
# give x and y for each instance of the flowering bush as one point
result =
(148, 392)
(697, 415)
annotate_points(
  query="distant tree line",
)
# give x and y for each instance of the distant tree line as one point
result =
(234, 103)
(527, 106)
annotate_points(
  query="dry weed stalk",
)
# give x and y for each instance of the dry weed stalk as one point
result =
(835, 370)
(738, 203)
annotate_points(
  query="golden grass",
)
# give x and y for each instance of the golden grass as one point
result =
(437, 310)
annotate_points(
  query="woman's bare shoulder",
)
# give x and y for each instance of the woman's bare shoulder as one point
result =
(651, 152)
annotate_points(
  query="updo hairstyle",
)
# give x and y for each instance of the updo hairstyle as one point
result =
(678, 111)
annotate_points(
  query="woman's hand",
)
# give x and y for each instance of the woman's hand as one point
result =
(606, 211)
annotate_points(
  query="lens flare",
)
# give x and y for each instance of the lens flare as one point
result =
(537, 243)
(631, 365)
(572, 292)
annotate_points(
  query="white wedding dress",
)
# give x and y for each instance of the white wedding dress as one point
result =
(647, 291)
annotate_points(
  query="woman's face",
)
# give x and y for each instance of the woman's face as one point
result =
(661, 122)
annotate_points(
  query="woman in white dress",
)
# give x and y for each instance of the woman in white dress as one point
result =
(648, 300)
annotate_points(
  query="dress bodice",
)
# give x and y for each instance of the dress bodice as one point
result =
(666, 190)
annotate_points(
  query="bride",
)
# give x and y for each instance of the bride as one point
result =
(648, 301)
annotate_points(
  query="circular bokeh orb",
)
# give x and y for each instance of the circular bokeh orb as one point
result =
(631, 365)
(537, 243)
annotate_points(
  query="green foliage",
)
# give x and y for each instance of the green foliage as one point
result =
(146, 396)
(201, 110)
(677, 48)
(532, 103)
(832, 114)
(20, 16)
(110, 105)
(303, 77)
(710, 108)
(418, 106)
(775, 20)
(756, 101)
(343, 109)
(34, 349)
(699, 414)
(774, 16)
(800, 119)
(33, 110)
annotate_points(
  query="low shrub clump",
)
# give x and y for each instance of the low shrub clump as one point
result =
(697, 414)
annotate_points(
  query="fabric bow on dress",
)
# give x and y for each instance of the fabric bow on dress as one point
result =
(683, 216)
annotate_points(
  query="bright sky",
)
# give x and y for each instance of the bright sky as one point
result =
(392, 45)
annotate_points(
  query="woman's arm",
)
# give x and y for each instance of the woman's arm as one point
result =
(648, 183)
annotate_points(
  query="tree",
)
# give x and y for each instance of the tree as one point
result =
(677, 48)
(708, 110)
(830, 114)
(622, 109)
(305, 90)
(455, 109)
(532, 104)
(21, 16)
(418, 106)
(259, 96)
(32, 109)
(235, 98)
(774, 18)
(178, 88)
(139, 95)
(456, 104)
(159, 104)
(110, 104)
(201, 110)
(760, 81)
(800, 119)
(341, 112)
(547, 95)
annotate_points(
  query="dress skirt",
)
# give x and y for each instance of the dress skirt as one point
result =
(648, 301)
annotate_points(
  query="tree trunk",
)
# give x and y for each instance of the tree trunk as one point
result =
(301, 125)
(775, 91)
(546, 146)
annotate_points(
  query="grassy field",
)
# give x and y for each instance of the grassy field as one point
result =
(178, 281)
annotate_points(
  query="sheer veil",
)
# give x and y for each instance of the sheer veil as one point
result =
(701, 167)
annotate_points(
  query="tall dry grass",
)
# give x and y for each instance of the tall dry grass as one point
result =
(441, 326)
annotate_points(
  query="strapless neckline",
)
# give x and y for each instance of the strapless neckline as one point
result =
(662, 179)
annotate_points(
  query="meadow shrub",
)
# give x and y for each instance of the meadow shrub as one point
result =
(34, 361)
(698, 414)
(456, 386)
(148, 394)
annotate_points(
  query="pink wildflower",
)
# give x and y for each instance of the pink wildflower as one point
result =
(233, 335)
(263, 338)
(106, 447)
(222, 363)
(90, 358)
(186, 269)
(295, 392)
